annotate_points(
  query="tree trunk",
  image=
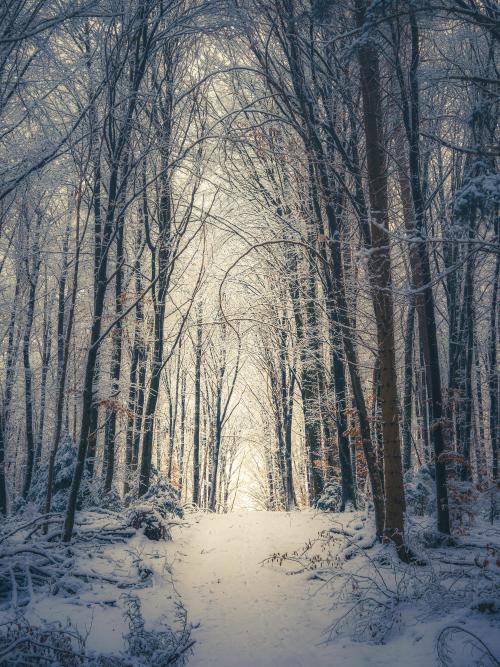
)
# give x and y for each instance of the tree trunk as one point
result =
(379, 267)
(197, 413)
(28, 375)
(117, 337)
(212, 505)
(493, 373)
(422, 280)
(63, 347)
(101, 282)
(46, 352)
(288, 422)
(117, 144)
(10, 368)
(136, 363)
(340, 388)
(408, 385)
(182, 435)
(163, 252)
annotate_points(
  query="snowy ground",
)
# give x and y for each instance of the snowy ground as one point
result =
(346, 601)
(92, 598)
(252, 614)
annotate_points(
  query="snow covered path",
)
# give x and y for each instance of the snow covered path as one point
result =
(252, 615)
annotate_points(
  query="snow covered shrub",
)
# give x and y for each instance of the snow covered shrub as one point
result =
(111, 500)
(153, 512)
(165, 498)
(377, 591)
(156, 647)
(55, 645)
(492, 496)
(457, 646)
(63, 474)
(487, 500)
(482, 191)
(24, 644)
(420, 490)
(331, 498)
(433, 539)
(145, 517)
(93, 497)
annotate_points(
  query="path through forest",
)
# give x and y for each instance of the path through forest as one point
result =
(255, 614)
(252, 614)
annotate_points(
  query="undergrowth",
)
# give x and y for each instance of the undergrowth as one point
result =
(376, 594)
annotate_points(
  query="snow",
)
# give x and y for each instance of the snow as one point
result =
(251, 613)
(260, 614)
(96, 609)
(250, 610)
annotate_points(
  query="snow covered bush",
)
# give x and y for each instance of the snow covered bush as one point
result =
(63, 474)
(153, 512)
(482, 190)
(489, 502)
(463, 497)
(55, 645)
(156, 647)
(24, 644)
(420, 490)
(165, 498)
(331, 498)
(94, 497)
(145, 517)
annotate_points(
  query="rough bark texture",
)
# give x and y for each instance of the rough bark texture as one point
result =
(379, 267)
(197, 411)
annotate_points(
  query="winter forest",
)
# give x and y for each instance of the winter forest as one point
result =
(249, 327)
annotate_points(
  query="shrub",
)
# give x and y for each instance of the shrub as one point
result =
(165, 498)
(144, 517)
(153, 512)
(420, 490)
(331, 498)
(156, 647)
(24, 644)
(54, 645)
(63, 474)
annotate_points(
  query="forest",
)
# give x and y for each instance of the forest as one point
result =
(249, 333)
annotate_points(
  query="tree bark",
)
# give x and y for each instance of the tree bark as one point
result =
(197, 412)
(10, 369)
(63, 347)
(379, 267)
(493, 372)
(32, 275)
(422, 281)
